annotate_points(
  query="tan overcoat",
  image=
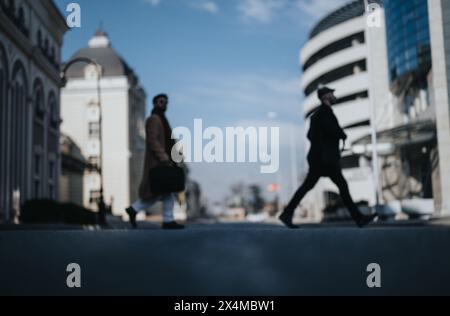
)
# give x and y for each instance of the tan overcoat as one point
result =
(155, 153)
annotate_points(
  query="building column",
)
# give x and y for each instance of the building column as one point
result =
(439, 15)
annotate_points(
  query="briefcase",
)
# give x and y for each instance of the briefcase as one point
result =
(167, 179)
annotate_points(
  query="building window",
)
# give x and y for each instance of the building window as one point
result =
(350, 162)
(18, 132)
(347, 42)
(36, 189)
(37, 164)
(51, 171)
(52, 144)
(94, 196)
(4, 127)
(336, 74)
(52, 179)
(37, 176)
(53, 111)
(38, 137)
(39, 38)
(94, 161)
(45, 48)
(52, 54)
(53, 125)
(94, 130)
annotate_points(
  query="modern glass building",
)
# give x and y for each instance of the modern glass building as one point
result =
(409, 173)
(408, 40)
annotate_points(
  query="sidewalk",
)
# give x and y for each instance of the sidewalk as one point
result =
(113, 223)
(116, 223)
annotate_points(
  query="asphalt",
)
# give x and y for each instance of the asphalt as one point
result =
(227, 260)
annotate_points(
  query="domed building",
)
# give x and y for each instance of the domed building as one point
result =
(123, 102)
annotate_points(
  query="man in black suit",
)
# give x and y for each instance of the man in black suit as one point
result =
(324, 158)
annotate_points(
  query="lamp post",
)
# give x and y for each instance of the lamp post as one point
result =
(374, 136)
(101, 200)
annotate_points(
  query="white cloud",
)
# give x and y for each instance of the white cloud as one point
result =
(260, 10)
(265, 11)
(316, 9)
(252, 91)
(208, 6)
(203, 5)
(153, 2)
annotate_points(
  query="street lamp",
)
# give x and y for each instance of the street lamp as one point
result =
(100, 201)
(378, 192)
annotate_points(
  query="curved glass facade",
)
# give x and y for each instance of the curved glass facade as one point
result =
(408, 38)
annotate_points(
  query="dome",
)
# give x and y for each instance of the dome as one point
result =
(99, 49)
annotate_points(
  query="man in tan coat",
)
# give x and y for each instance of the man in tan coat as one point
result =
(159, 144)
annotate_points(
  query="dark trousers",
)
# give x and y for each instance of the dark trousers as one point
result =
(335, 174)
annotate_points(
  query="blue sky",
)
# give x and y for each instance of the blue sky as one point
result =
(229, 62)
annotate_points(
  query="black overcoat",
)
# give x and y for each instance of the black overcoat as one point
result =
(325, 134)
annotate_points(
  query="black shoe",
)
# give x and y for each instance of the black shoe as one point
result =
(132, 214)
(172, 225)
(287, 220)
(365, 220)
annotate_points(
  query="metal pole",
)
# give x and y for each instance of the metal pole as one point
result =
(278, 177)
(294, 169)
(101, 203)
(373, 120)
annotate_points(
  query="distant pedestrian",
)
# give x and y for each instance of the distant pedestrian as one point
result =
(324, 159)
(159, 144)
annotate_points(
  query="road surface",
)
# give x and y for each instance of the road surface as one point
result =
(228, 260)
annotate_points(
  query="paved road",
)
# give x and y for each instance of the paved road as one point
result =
(228, 259)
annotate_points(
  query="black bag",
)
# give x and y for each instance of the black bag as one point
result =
(167, 179)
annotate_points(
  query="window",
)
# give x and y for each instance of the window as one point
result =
(335, 47)
(21, 16)
(38, 137)
(19, 130)
(350, 162)
(335, 75)
(39, 39)
(51, 170)
(51, 192)
(94, 129)
(53, 111)
(53, 125)
(37, 164)
(37, 176)
(407, 32)
(94, 161)
(45, 48)
(39, 102)
(52, 54)
(94, 196)
(52, 179)
(36, 189)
